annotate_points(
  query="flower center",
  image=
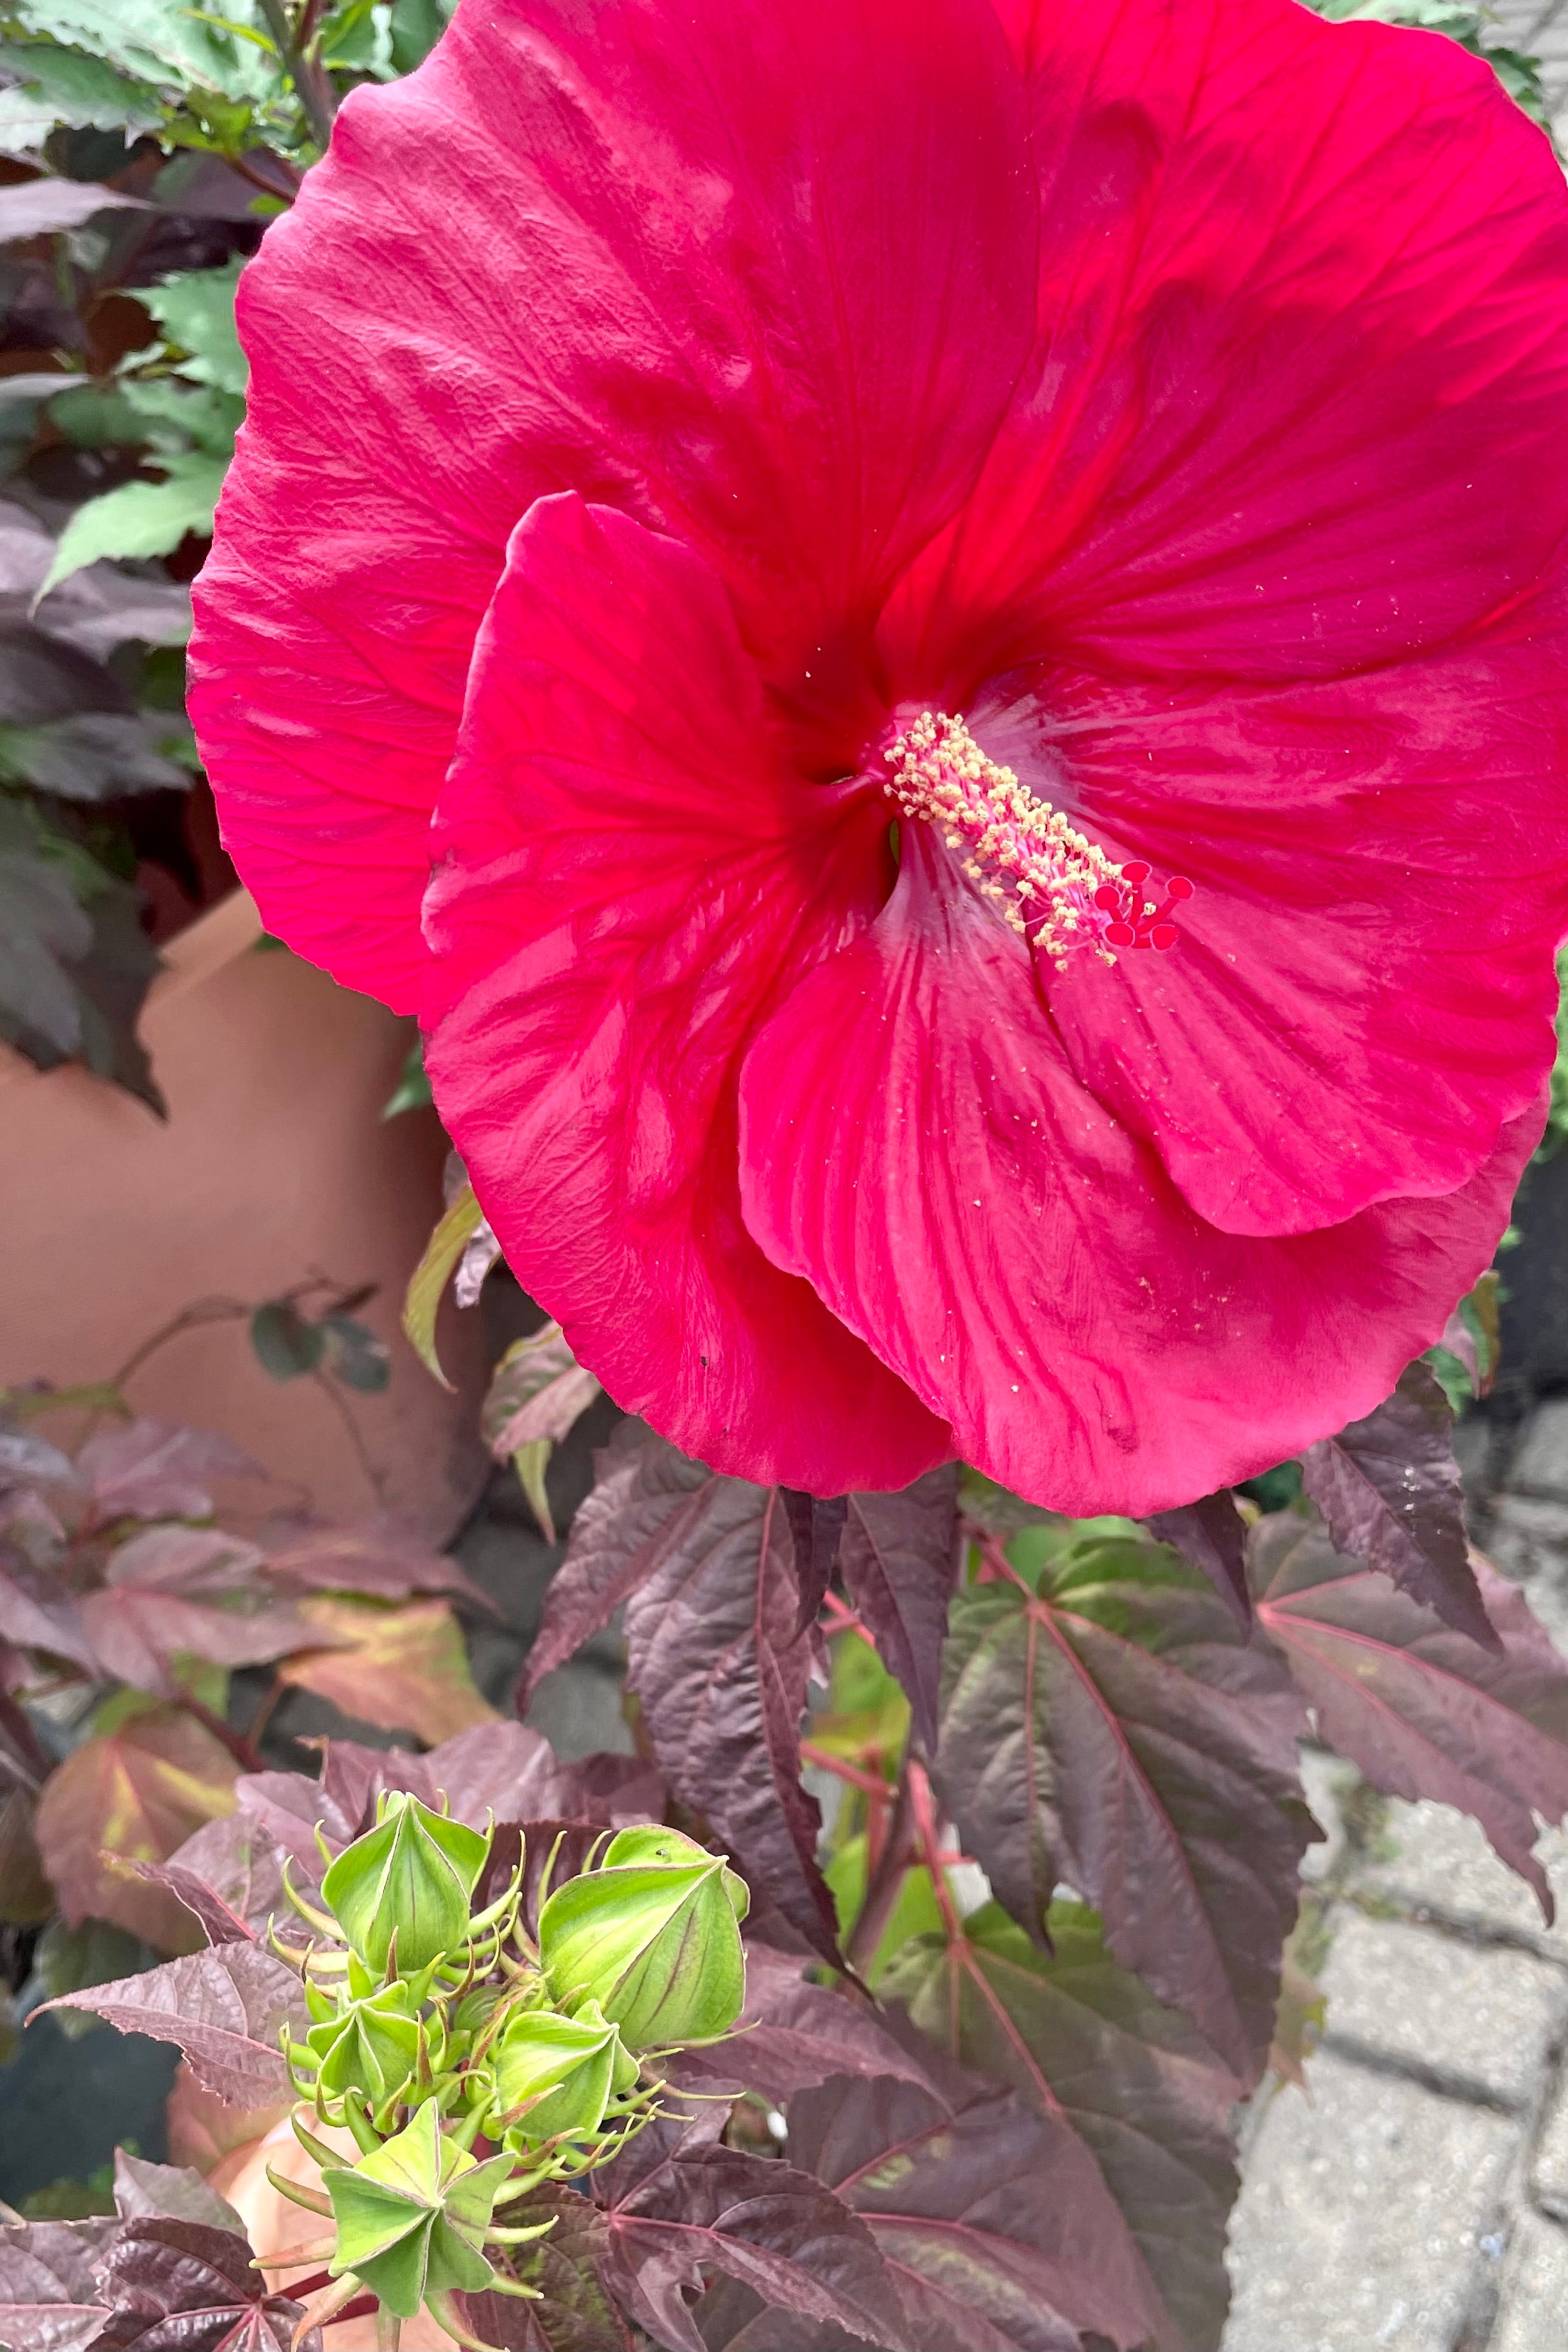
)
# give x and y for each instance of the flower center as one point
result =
(1050, 882)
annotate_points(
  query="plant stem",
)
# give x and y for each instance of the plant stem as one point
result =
(388, 2330)
(238, 1745)
(312, 85)
(884, 1883)
(923, 1809)
(870, 1784)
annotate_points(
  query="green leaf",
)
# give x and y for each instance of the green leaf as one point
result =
(286, 1345)
(417, 26)
(42, 927)
(174, 415)
(412, 1091)
(196, 311)
(442, 1251)
(140, 519)
(61, 86)
(359, 1356)
(163, 42)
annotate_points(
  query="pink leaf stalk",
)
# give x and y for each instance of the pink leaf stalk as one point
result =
(932, 636)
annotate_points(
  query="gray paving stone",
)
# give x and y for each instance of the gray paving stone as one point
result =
(1484, 2016)
(1549, 2174)
(1540, 1464)
(1533, 2308)
(1529, 1536)
(1428, 1856)
(1360, 2221)
(1327, 1781)
(578, 1709)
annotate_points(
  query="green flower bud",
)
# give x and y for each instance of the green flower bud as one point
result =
(653, 1936)
(412, 2215)
(569, 2068)
(370, 2047)
(411, 1877)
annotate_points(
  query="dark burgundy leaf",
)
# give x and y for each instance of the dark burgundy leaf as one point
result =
(184, 2286)
(1418, 1707)
(572, 2313)
(1389, 1490)
(993, 2216)
(793, 2034)
(645, 1498)
(816, 1525)
(721, 1672)
(1084, 2042)
(149, 1469)
(898, 1563)
(1211, 1534)
(169, 2193)
(224, 2007)
(50, 2299)
(1114, 1731)
(754, 2219)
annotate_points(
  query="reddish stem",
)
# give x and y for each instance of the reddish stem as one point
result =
(870, 1784)
(922, 1810)
(238, 1745)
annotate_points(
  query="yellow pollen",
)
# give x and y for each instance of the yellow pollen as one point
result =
(1049, 882)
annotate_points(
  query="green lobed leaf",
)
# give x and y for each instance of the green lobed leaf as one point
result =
(142, 518)
(196, 311)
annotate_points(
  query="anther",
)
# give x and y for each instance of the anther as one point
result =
(1050, 882)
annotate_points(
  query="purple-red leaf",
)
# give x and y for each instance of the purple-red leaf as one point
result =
(385, 1562)
(182, 2286)
(1211, 1534)
(1114, 1731)
(149, 1469)
(1085, 2043)
(794, 2036)
(763, 2223)
(219, 1921)
(144, 2191)
(992, 2217)
(1418, 1707)
(817, 1524)
(571, 2312)
(1389, 1490)
(716, 1658)
(50, 2299)
(645, 1498)
(133, 1794)
(897, 1561)
(53, 1624)
(224, 2009)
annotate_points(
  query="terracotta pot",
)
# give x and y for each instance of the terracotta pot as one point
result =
(274, 1165)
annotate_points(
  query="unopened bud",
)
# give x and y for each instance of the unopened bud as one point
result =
(411, 1878)
(412, 2215)
(651, 1935)
(563, 2071)
(370, 2047)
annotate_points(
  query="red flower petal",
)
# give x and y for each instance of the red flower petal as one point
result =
(628, 877)
(914, 1144)
(1362, 993)
(762, 274)
(1296, 405)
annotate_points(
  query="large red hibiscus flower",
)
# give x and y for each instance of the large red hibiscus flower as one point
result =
(931, 636)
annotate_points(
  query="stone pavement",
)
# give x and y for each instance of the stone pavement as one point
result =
(1414, 2197)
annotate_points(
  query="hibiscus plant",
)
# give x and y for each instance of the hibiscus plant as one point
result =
(929, 638)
